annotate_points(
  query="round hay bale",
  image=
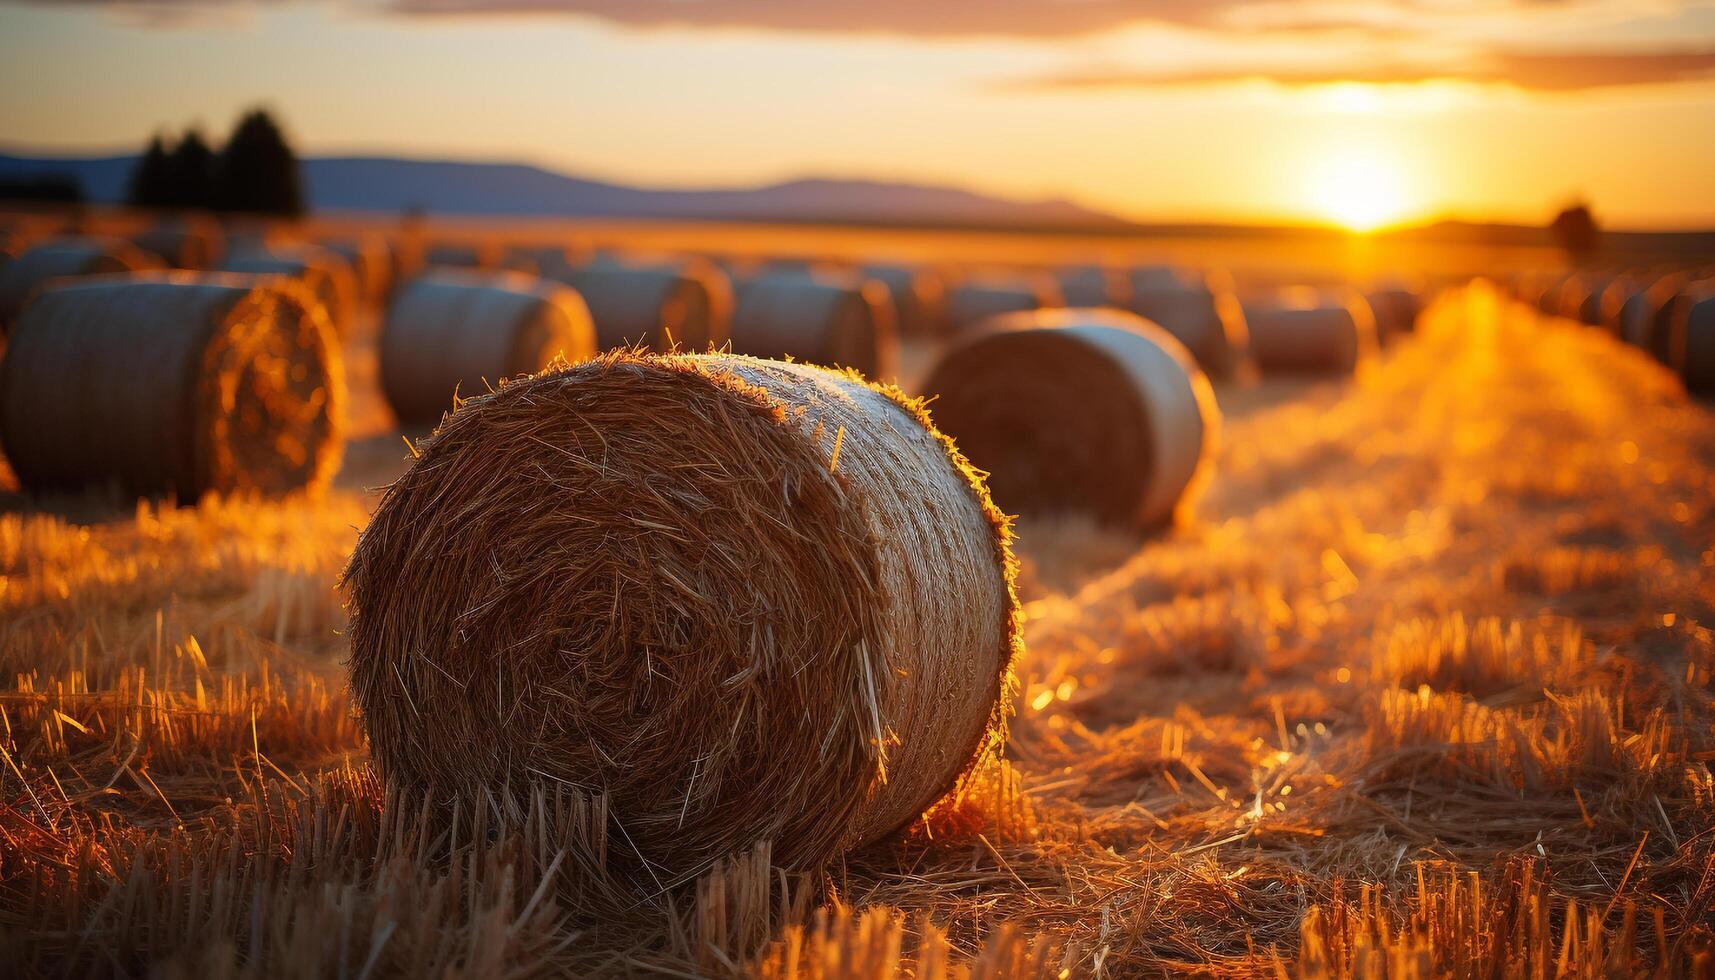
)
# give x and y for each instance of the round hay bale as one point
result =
(173, 383)
(918, 293)
(1396, 309)
(1699, 341)
(971, 301)
(323, 273)
(184, 241)
(746, 600)
(1584, 301)
(657, 306)
(63, 258)
(1311, 332)
(1093, 285)
(452, 333)
(826, 321)
(1096, 411)
(1204, 316)
(370, 262)
(1641, 310)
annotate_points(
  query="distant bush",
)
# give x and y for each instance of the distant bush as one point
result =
(57, 188)
(256, 171)
(1575, 230)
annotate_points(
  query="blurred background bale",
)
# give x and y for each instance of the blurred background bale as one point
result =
(368, 258)
(592, 579)
(173, 384)
(977, 297)
(1093, 285)
(58, 258)
(1068, 411)
(1202, 312)
(327, 276)
(454, 254)
(918, 293)
(459, 332)
(1699, 341)
(184, 240)
(658, 305)
(828, 320)
(1309, 331)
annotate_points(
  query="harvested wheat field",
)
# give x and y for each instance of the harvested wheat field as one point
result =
(1420, 686)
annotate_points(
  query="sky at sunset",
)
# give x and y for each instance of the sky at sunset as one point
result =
(1322, 110)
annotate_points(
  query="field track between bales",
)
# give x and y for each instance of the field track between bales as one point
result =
(1422, 686)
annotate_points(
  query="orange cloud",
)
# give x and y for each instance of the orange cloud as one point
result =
(1563, 71)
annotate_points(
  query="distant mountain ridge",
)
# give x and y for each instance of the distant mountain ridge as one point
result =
(388, 184)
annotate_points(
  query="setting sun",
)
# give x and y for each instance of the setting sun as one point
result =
(1358, 188)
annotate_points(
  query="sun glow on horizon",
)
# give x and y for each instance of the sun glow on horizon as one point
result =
(1359, 188)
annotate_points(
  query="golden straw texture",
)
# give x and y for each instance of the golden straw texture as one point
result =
(173, 383)
(1079, 410)
(739, 600)
(453, 332)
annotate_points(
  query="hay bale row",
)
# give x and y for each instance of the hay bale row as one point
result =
(973, 300)
(172, 384)
(325, 274)
(1314, 332)
(1095, 411)
(62, 258)
(745, 600)
(450, 333)
(828, 321)
(1202, 313)
(660, 307)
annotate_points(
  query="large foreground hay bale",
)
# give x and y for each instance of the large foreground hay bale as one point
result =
(1076, 410)
(184, 241)
(1299, 332)
(919, 296)
(63, 258)
(326, 275)
(823, 320)
(1203, 314)
(450, 333)
(973, 300)
(173, 383)
(657, 306)
(747, 600)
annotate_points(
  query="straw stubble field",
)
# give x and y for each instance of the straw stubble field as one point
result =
(1422, 686)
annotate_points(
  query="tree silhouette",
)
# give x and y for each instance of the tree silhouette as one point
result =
(151, 183)
(191, 170)
(258, 171)
(1575, 230)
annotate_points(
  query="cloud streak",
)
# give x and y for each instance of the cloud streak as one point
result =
(1568, 71)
